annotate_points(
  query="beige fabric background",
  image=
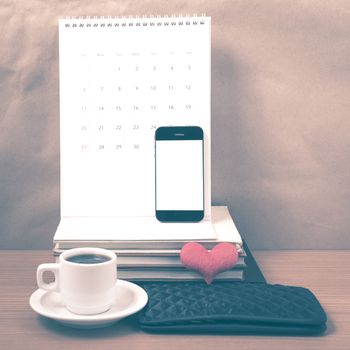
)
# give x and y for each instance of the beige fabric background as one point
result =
(280, 116)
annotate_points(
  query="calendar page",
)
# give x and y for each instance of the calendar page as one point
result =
(120, 79)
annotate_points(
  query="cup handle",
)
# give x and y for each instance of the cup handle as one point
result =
(55, 269)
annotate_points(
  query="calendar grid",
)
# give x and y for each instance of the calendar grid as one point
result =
(120, 79)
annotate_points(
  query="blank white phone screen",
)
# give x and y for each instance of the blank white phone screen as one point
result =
(179, 175)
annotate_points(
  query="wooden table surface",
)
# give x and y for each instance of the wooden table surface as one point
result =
(326, 273)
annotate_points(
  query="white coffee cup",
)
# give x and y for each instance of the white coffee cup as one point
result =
(85, 288)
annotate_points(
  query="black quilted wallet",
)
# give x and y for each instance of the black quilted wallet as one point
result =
(232, 307)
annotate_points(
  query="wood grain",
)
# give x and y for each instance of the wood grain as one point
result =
(326, 273)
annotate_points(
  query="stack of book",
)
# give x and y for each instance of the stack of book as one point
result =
(159, 259)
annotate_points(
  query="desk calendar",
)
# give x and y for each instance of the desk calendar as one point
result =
(120, 79)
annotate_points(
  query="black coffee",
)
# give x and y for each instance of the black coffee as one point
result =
(88, 259)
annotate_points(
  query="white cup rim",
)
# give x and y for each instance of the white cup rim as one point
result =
(87, 250)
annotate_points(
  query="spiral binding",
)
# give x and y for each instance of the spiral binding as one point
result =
(134, 21)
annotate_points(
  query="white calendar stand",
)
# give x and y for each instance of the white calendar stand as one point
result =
(120, 79)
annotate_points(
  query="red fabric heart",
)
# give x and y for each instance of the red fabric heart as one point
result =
(222, 257)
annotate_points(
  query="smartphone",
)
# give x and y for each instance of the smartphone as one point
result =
(179, 160)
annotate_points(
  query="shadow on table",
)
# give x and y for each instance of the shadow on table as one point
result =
(118, 329)
(130, 326)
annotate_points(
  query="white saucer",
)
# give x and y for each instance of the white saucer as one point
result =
(129, 299)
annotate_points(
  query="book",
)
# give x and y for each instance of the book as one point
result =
(128, 229)
(57, 250)
(142, 252)
(176, 275)
(150, 262)
(222, 222)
